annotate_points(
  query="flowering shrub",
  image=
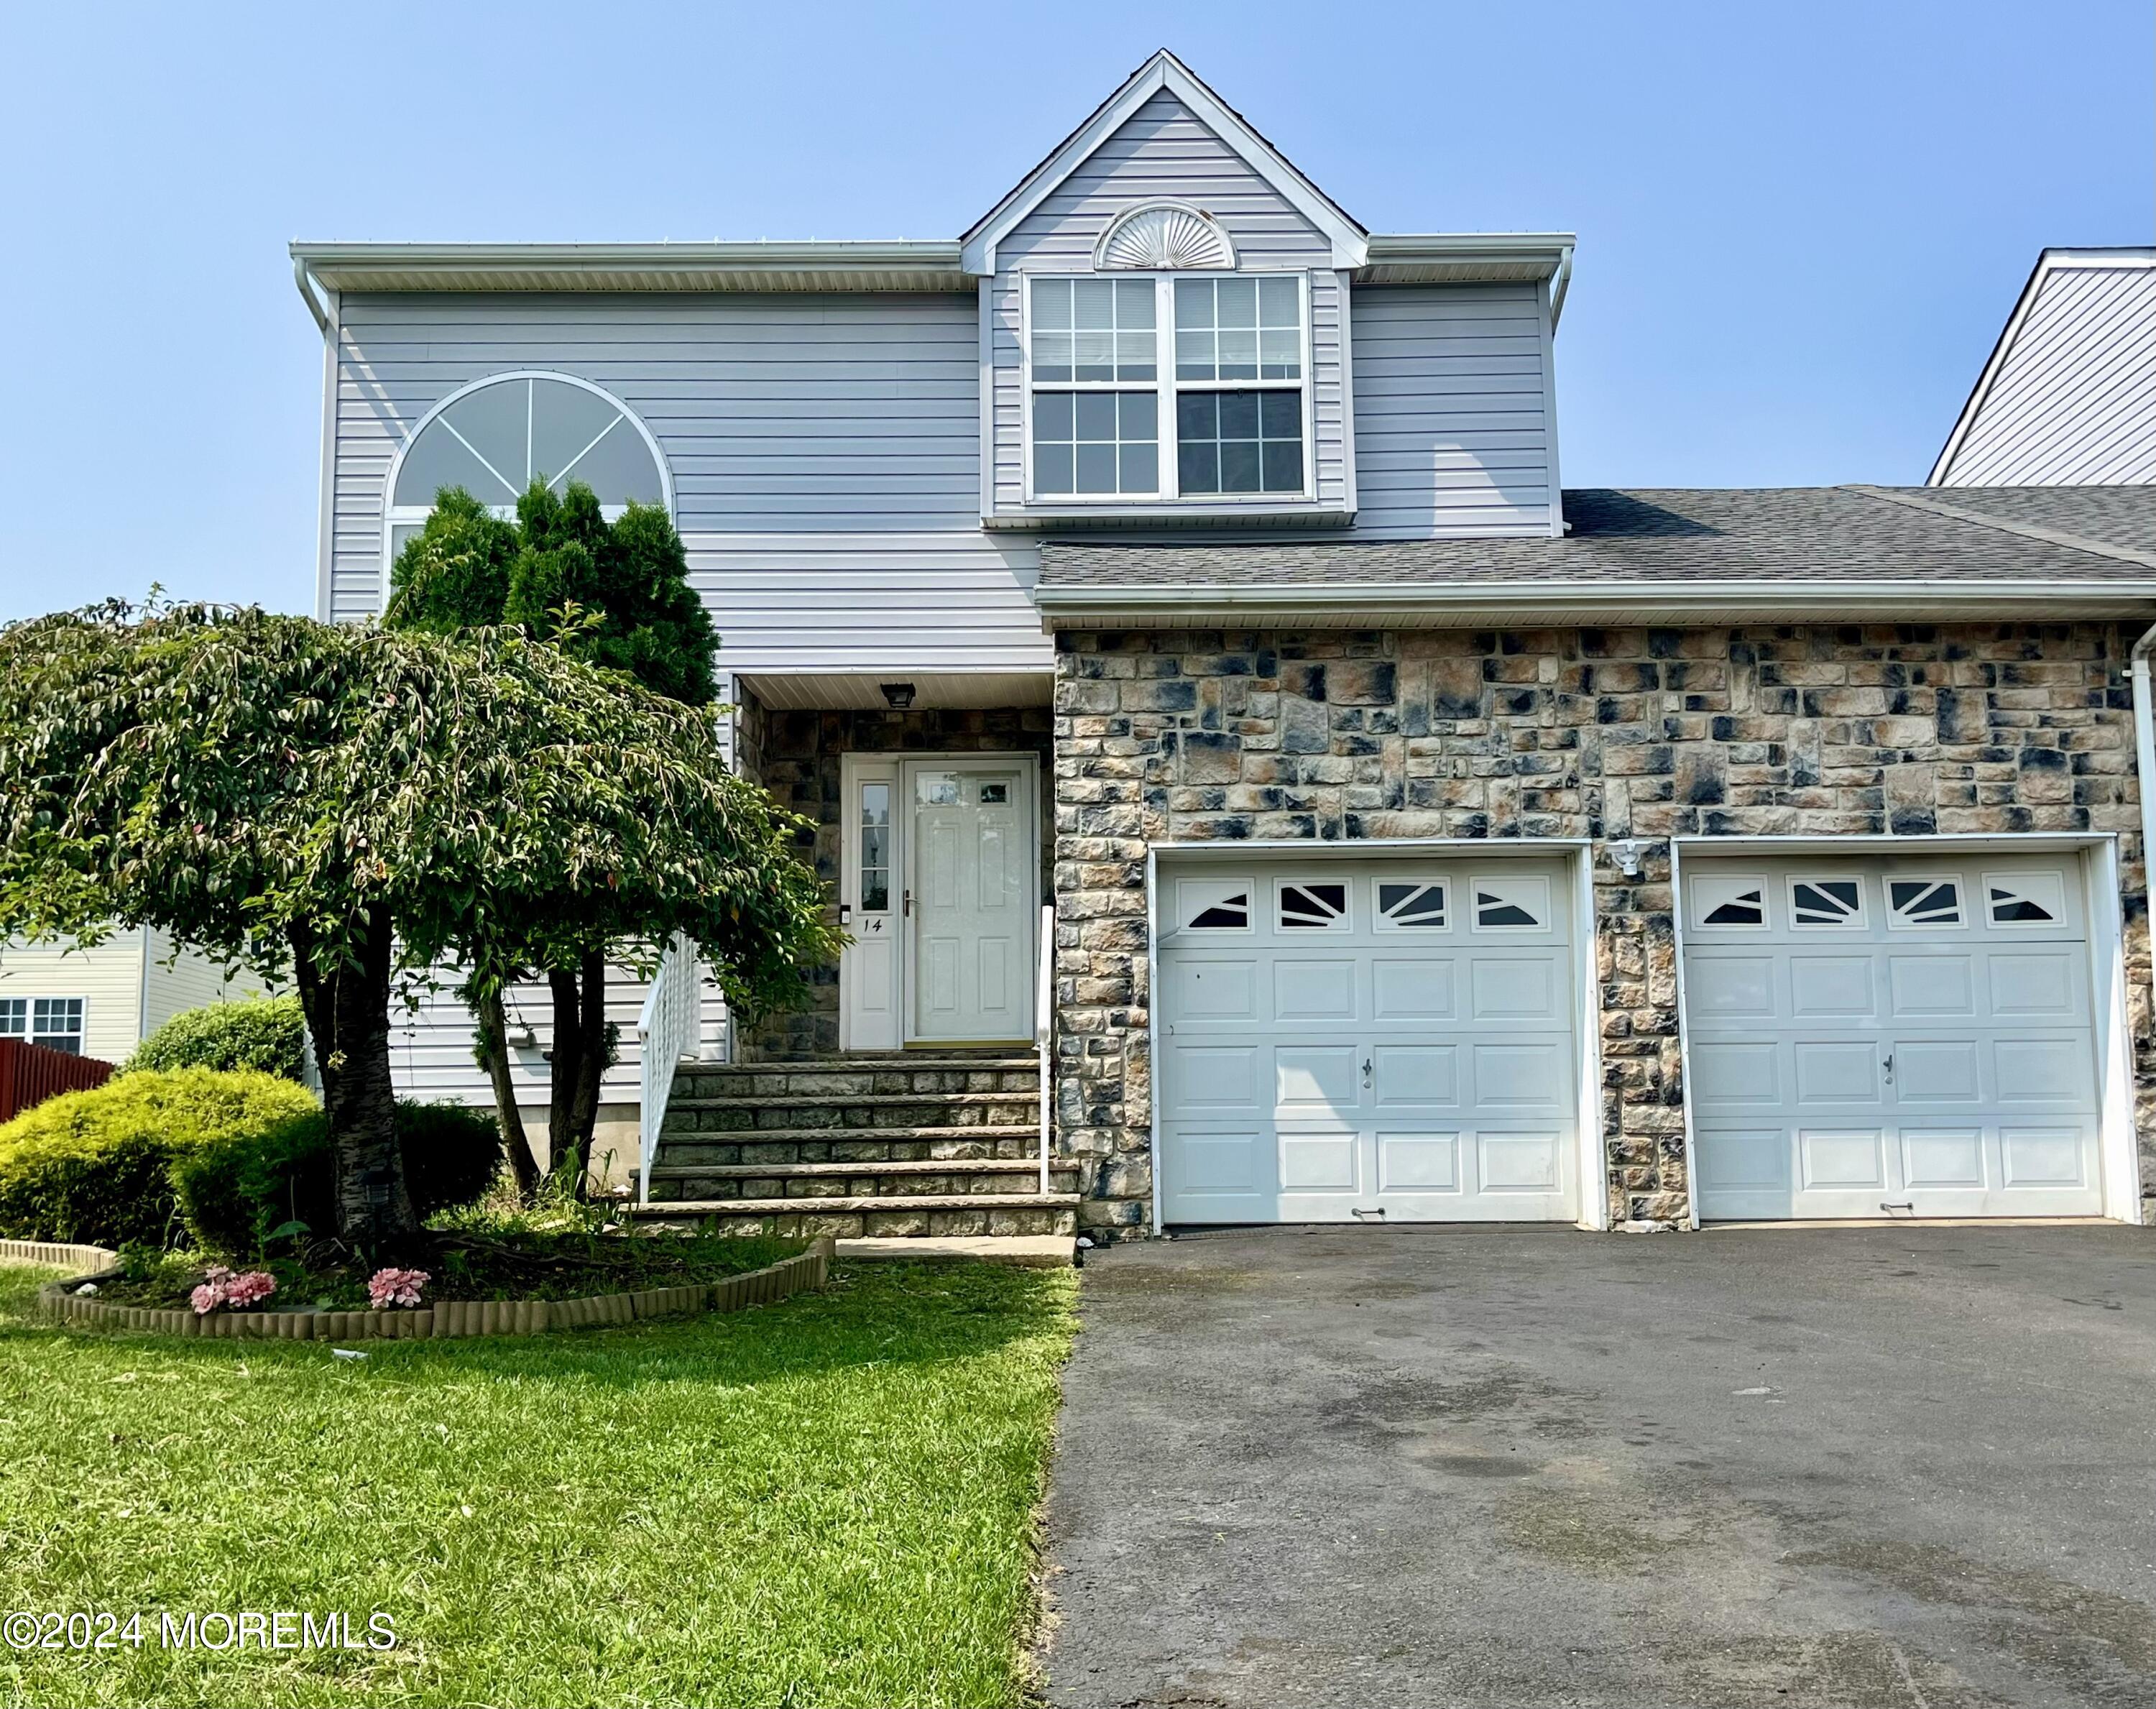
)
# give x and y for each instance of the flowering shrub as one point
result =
(396, 1287)
(221, 1287)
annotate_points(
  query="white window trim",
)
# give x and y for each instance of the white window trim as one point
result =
(1166, 386)
(395, 515)
(29, 1035)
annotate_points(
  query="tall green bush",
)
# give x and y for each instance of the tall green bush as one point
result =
(265, 1033)
(95, 1166)
(236, 1192)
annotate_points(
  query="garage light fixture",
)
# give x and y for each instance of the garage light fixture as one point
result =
(898, 695)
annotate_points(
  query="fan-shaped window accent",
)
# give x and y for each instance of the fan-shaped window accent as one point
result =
(1165, 237)
(497, 436)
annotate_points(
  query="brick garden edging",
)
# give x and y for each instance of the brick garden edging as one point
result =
(448, 1317)
(55, 1252)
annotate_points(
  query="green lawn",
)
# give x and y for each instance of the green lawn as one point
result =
(829, 1501)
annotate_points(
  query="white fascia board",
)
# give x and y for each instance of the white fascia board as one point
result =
(1528, 599)
(1164, 71)
(347, 265)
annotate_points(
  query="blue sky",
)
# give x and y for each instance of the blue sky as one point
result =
(1801, 225)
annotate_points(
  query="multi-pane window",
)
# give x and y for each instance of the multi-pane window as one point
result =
(1096, 441)
(55, 1022)
(1102, 395)
(1235, 442)
(1096, 337)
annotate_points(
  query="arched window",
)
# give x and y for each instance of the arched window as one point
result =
(496, 436)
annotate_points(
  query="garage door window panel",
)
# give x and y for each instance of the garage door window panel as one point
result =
(2025, 899)
(1214, 905)
(1924, 900)
(1313, 907)
(1831, 904)
(1733, 903)
(1512, 904)
(1420, 906)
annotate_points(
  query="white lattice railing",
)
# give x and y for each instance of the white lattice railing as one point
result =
(1043, 1029)
(667, 1030)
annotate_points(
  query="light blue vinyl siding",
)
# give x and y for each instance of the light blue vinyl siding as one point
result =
(824, 452)
(1163, 151)
(1452, 427)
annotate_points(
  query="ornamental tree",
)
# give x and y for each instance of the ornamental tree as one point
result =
(613, 594)
(346, 806)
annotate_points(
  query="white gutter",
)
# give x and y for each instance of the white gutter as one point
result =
(2144, 773)
(934, 263)
(1537, 597)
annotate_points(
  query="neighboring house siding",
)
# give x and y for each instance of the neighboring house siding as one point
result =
(430, 1048)
(108, 978)
(1452, 430)
(1163, 152)
(824, 452)
(2071, 401)
(190, 982)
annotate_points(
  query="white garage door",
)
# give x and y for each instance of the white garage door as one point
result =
(1891, 1036)
(1345, 1038)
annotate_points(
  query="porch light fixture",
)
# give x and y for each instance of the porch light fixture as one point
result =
(898, 695)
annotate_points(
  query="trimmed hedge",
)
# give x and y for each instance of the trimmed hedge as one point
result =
(265, 1033)
(235, 1193)
(95, 1166)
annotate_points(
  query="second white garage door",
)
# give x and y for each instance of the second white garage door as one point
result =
(1900, 1036)
(1367, 1039)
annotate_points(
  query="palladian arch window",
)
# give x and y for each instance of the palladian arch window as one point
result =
(495, 437)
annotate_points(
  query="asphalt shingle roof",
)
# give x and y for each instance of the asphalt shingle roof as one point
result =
(1675, 535)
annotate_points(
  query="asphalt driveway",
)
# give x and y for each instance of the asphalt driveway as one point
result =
(1389, 1466)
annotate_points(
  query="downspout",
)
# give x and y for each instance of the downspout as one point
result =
(2144, 777)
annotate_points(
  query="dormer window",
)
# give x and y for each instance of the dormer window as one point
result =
(1099, 390)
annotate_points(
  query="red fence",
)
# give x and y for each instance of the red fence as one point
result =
(29, 1074)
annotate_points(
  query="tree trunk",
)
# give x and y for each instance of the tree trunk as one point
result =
(565, 1156)
(592, 1064)
(492, 1025)
(347, 1011)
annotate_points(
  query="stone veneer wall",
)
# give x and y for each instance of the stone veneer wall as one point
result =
(795, 756)
(1570, 732)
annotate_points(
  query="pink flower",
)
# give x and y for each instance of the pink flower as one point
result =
(390, 1287)
(221, 1287)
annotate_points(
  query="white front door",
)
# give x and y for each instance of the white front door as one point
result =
(969, 907)
(1908, 1035)
(1346, 1039)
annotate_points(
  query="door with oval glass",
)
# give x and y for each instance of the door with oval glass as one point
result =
(970, 902)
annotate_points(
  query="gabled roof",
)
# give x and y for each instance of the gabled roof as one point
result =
(1164, 71)
(1794, 553)
(2068, 396)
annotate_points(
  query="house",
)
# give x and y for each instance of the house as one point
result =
(103, 1000)
(2068, 397)
(1255, 788)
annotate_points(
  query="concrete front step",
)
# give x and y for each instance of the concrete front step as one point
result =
(686, 1115)
(911, 1165)
(806, 1182)
(904, 1217)
(768, 1147)
(836, 1080)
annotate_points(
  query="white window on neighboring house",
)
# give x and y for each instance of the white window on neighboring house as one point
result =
(494, 437)
(55, 1022)
(1231, 388)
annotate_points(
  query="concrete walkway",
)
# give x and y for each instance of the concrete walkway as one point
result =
(1492, 1467)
